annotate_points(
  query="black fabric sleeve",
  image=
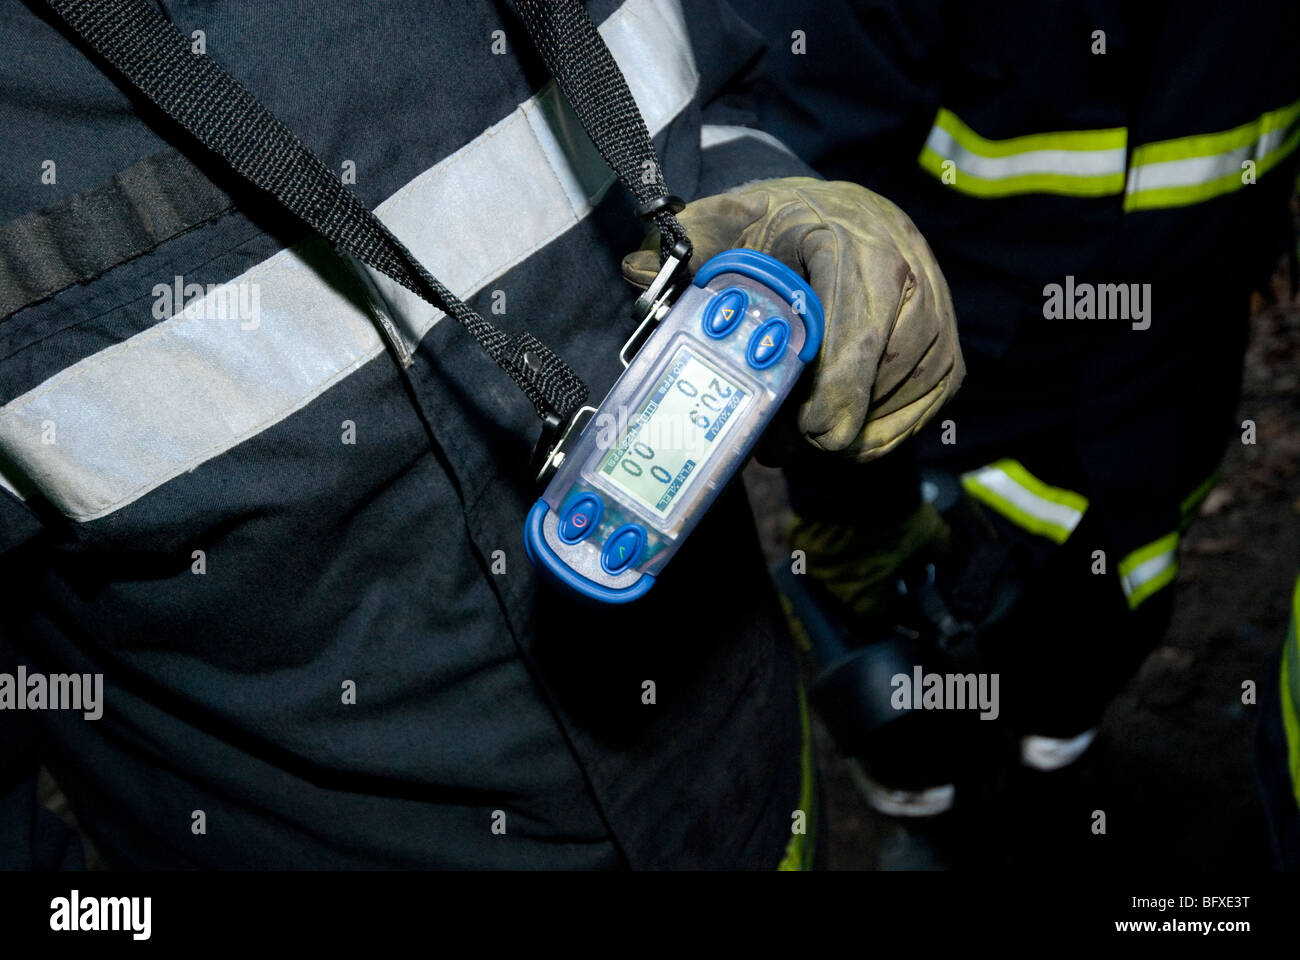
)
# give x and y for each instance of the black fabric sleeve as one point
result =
(852, 86)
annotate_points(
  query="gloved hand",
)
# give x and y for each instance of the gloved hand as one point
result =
(890, 357)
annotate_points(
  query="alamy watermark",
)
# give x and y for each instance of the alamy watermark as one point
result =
(217, 301)
(56, 691)
(75, 913)
(1098, 301)
(946, 691)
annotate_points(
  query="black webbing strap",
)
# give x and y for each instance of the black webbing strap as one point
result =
(86, 234)
(595, 87)
(155, 57)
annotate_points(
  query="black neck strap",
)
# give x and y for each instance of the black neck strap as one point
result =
(590, 79)
(155, 57)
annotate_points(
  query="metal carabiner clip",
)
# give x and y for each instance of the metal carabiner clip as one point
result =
(654, 301)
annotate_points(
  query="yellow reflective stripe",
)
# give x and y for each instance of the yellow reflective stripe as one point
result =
(799, 851)
(1026, 501)
(1091, 163)
(1208, 144)
(1147, 569)
(1114, 138)
(1291, 692)
(1072, 162)
(1189, 170)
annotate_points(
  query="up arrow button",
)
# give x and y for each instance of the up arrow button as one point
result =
(768, 343)
(724, 312)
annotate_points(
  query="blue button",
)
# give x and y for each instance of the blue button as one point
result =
(622, 549)
(724, 312)
(768, 343)
(581, 518)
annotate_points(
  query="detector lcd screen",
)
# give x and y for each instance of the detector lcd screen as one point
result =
(673, 434)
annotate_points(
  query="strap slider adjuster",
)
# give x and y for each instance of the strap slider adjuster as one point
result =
(673, 203)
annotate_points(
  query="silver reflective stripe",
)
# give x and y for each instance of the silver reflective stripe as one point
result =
(152, 407)
(1074, 163)
(541, 173)
(1183, 173)
(137, 414)
(716, 134)
(1053, 753)
(1194, 171)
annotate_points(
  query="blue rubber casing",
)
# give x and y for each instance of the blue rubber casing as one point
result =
(675, 427)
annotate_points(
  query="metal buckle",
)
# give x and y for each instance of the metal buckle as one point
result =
(654, 301)
(547, 459)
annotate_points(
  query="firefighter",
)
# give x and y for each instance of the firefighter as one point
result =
(1103, 185)
(297, 559)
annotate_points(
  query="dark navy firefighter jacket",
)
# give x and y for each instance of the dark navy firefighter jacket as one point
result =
(317, 624)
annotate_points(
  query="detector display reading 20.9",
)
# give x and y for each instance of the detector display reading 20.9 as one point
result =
(674, 433)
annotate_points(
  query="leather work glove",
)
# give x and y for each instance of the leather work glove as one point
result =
(890, 357)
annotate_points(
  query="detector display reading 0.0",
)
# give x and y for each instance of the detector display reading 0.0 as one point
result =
(674, 433)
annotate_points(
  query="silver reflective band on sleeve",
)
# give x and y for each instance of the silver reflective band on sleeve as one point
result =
(137, 414)
(1086, 163)
(1189, 170)
(928, 802)
(1053, 753)
(716, 134)
(1182, 173)
(1065, 163)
